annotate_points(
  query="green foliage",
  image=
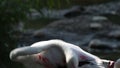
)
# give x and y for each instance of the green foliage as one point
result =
(11, 12)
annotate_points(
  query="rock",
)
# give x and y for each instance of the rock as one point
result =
(99, 18)
(105, 8)
(96, 9)
(76, 31)
(75, 11)
(100, 45)
(34, 14)
(96, 26)
(114, 34)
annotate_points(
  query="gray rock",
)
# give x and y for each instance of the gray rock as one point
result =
(114, 34)
(75, 30)
(99, 18)
(96, 26)
(101, 45)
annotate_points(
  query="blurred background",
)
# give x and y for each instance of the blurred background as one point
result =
(94, 25)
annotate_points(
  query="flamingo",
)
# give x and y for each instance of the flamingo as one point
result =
(56, 54)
